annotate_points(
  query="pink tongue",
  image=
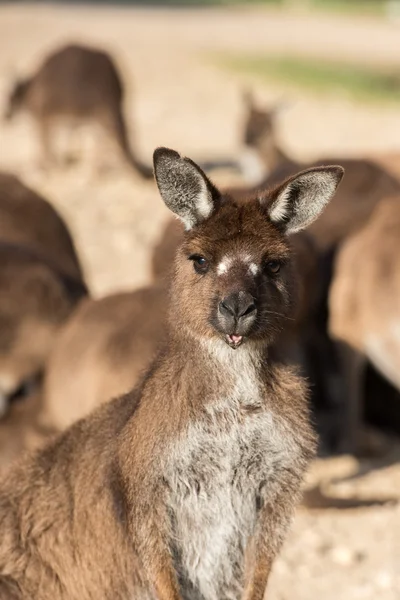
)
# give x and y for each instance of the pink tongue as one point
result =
(236, 338)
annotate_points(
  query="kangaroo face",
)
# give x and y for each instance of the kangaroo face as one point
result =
(234, 276)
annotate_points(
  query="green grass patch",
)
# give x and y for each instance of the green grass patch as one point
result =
(359, 7)
(353, 81)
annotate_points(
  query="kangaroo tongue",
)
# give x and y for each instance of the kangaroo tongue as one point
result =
(235, 340)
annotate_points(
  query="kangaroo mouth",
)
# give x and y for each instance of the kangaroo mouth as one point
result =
(234, 340)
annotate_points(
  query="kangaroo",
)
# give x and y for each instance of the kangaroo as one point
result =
(365, 184)
(75, 84)
(363, 308)
(108, 342)
(35, 301)
(40, 283)
(28, 220)
(184, 488)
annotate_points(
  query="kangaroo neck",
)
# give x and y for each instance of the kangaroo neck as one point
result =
(212, 365)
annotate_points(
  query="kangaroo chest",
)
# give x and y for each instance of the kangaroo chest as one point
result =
(224, 468)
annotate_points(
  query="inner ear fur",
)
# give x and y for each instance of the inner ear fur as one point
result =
(298, 201)
(184, 187)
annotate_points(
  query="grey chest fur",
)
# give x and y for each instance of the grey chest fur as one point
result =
(222, 469)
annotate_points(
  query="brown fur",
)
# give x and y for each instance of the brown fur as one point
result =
(97, 513)
(34, 302)
(106, 345)
(76, 84)
(390, 161)
(22, 429)
(40, 283)
(108, 342)
(165, 249)
(28, 220)
(363, 306)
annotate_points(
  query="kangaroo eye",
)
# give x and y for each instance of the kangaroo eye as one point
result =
(273, 266)
(200, 263)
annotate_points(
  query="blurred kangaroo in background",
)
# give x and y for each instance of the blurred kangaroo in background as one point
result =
(108, 342)
(102, 351)
(74, 85)
(28, 220)
(364, 308)
(214, 443)
(23, 429)
(365, 184)
(40, 284)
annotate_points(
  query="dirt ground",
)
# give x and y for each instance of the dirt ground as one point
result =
(345, 542)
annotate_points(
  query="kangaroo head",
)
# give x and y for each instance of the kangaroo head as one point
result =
(259, 131)
(234, 276)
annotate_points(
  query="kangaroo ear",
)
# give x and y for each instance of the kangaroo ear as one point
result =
(297, 202)
(183, 186)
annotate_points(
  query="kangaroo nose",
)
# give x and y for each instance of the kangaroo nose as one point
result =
(237, 305)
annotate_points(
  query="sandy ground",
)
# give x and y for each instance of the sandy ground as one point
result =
(345, 542)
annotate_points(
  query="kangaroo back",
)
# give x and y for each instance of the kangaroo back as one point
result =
(76, 84)
(40, 282)
(29, 220)
(106, 344)
(35, 301)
